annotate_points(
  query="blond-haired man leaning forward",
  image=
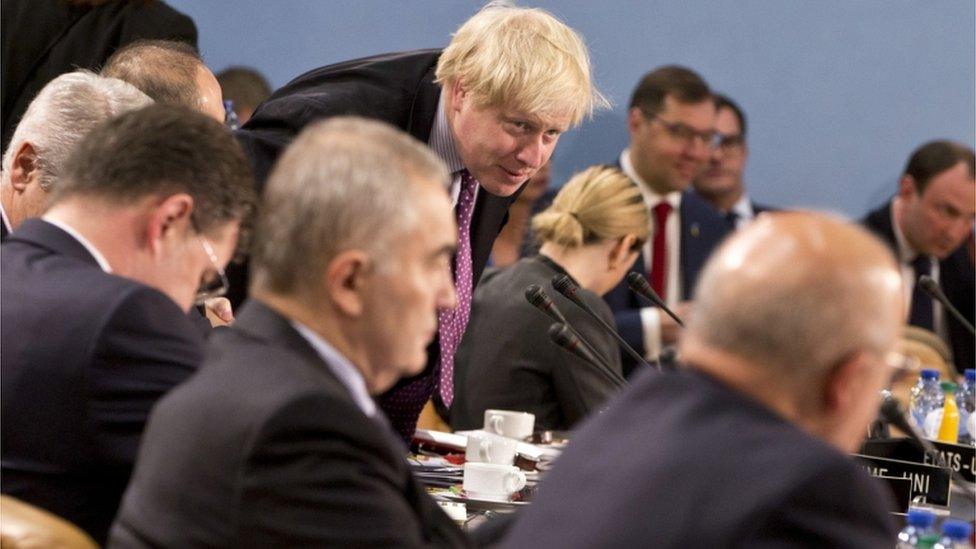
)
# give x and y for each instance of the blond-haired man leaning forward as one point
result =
(747, 446)
(277, 441)
(492, 105)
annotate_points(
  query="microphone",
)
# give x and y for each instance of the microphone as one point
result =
(538, 298)
(565, 286)
(932, 288)
(562, 335)
(638, 284)
(893, 413)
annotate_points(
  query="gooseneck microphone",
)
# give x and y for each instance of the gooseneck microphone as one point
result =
(562, 335)
(932, 288)
(539, 299)
(638, 284)
(893, 412)
(565, 286)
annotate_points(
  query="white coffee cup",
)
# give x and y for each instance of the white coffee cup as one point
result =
(491, 481)
(489, 448)
(517, 425)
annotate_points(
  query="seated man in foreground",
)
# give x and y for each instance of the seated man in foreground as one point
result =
(746, 446)
(95, 297)
(276, 441)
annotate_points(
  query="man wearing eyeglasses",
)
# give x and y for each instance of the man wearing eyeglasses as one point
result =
(721, 184)
(671, 121)
(927, 224)
(94, 298)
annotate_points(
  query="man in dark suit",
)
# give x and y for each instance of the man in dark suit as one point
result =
(671, 122)
(276, 441)
(927, 224)
(93, 302)
(57, 119)
(492, 111)
(722, 184)
(42, 39)
(746, 446)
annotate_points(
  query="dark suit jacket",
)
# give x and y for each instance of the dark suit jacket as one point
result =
(680, 460)
(42, 39)
(702, 229)
(84, 355)
(507, 361)
(957, 277)
(397, 88)
(265, 447)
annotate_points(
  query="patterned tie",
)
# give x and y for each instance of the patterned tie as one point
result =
(921, 314)
(659, 251)
(452, 322)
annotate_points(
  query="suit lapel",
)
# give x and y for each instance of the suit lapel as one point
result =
(701, 230)
(424, 107)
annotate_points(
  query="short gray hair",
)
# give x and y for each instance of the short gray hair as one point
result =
(344, 183)
(796, 293)
(64, 112)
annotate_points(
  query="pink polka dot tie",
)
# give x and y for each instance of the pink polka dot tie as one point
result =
(452, 322)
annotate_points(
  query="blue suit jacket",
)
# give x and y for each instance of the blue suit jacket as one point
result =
(702, 228)
(957, 277)
(84, 356)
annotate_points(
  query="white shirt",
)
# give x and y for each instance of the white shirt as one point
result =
(5, 220)
(743, 212)
(102, 262)
(442, 143)
(349, 376)
(651, 316)
(906, 255)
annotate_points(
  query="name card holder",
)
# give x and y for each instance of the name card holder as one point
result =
(929, 484)
(959, 457)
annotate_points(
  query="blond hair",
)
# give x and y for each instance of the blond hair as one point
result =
(598, 204)
(522, 58)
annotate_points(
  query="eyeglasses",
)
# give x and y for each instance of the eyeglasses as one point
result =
(729, 143)
(686, 134)
(212, 286)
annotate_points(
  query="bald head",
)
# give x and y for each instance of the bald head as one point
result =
(795, 293)
(171, 73)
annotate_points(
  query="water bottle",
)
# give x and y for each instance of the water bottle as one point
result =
(955, 535)
(230, 118)
(926, 397)
(919, 522)
(966, 402)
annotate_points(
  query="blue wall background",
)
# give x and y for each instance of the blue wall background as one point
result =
(837, 93)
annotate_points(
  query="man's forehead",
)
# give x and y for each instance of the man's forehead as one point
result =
(693, 114)
(556, 119)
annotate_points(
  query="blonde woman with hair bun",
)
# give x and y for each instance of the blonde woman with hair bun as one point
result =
(592, 232)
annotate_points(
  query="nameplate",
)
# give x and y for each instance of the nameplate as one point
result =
(901, 488)
(929, 484)
(958, 457)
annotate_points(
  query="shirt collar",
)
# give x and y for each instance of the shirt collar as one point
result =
(651, 198)
(5, 220)
(349, 376)
(102, 262)
(906, 254)
(442, 140)
(743, 208)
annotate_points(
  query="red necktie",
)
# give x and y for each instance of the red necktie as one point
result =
(659, 251)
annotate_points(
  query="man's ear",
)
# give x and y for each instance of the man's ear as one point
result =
(24, 168)
(844, 385)
(458, 95)
(907, 186)
(346, 276)
(169, 218)
(635, 119)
